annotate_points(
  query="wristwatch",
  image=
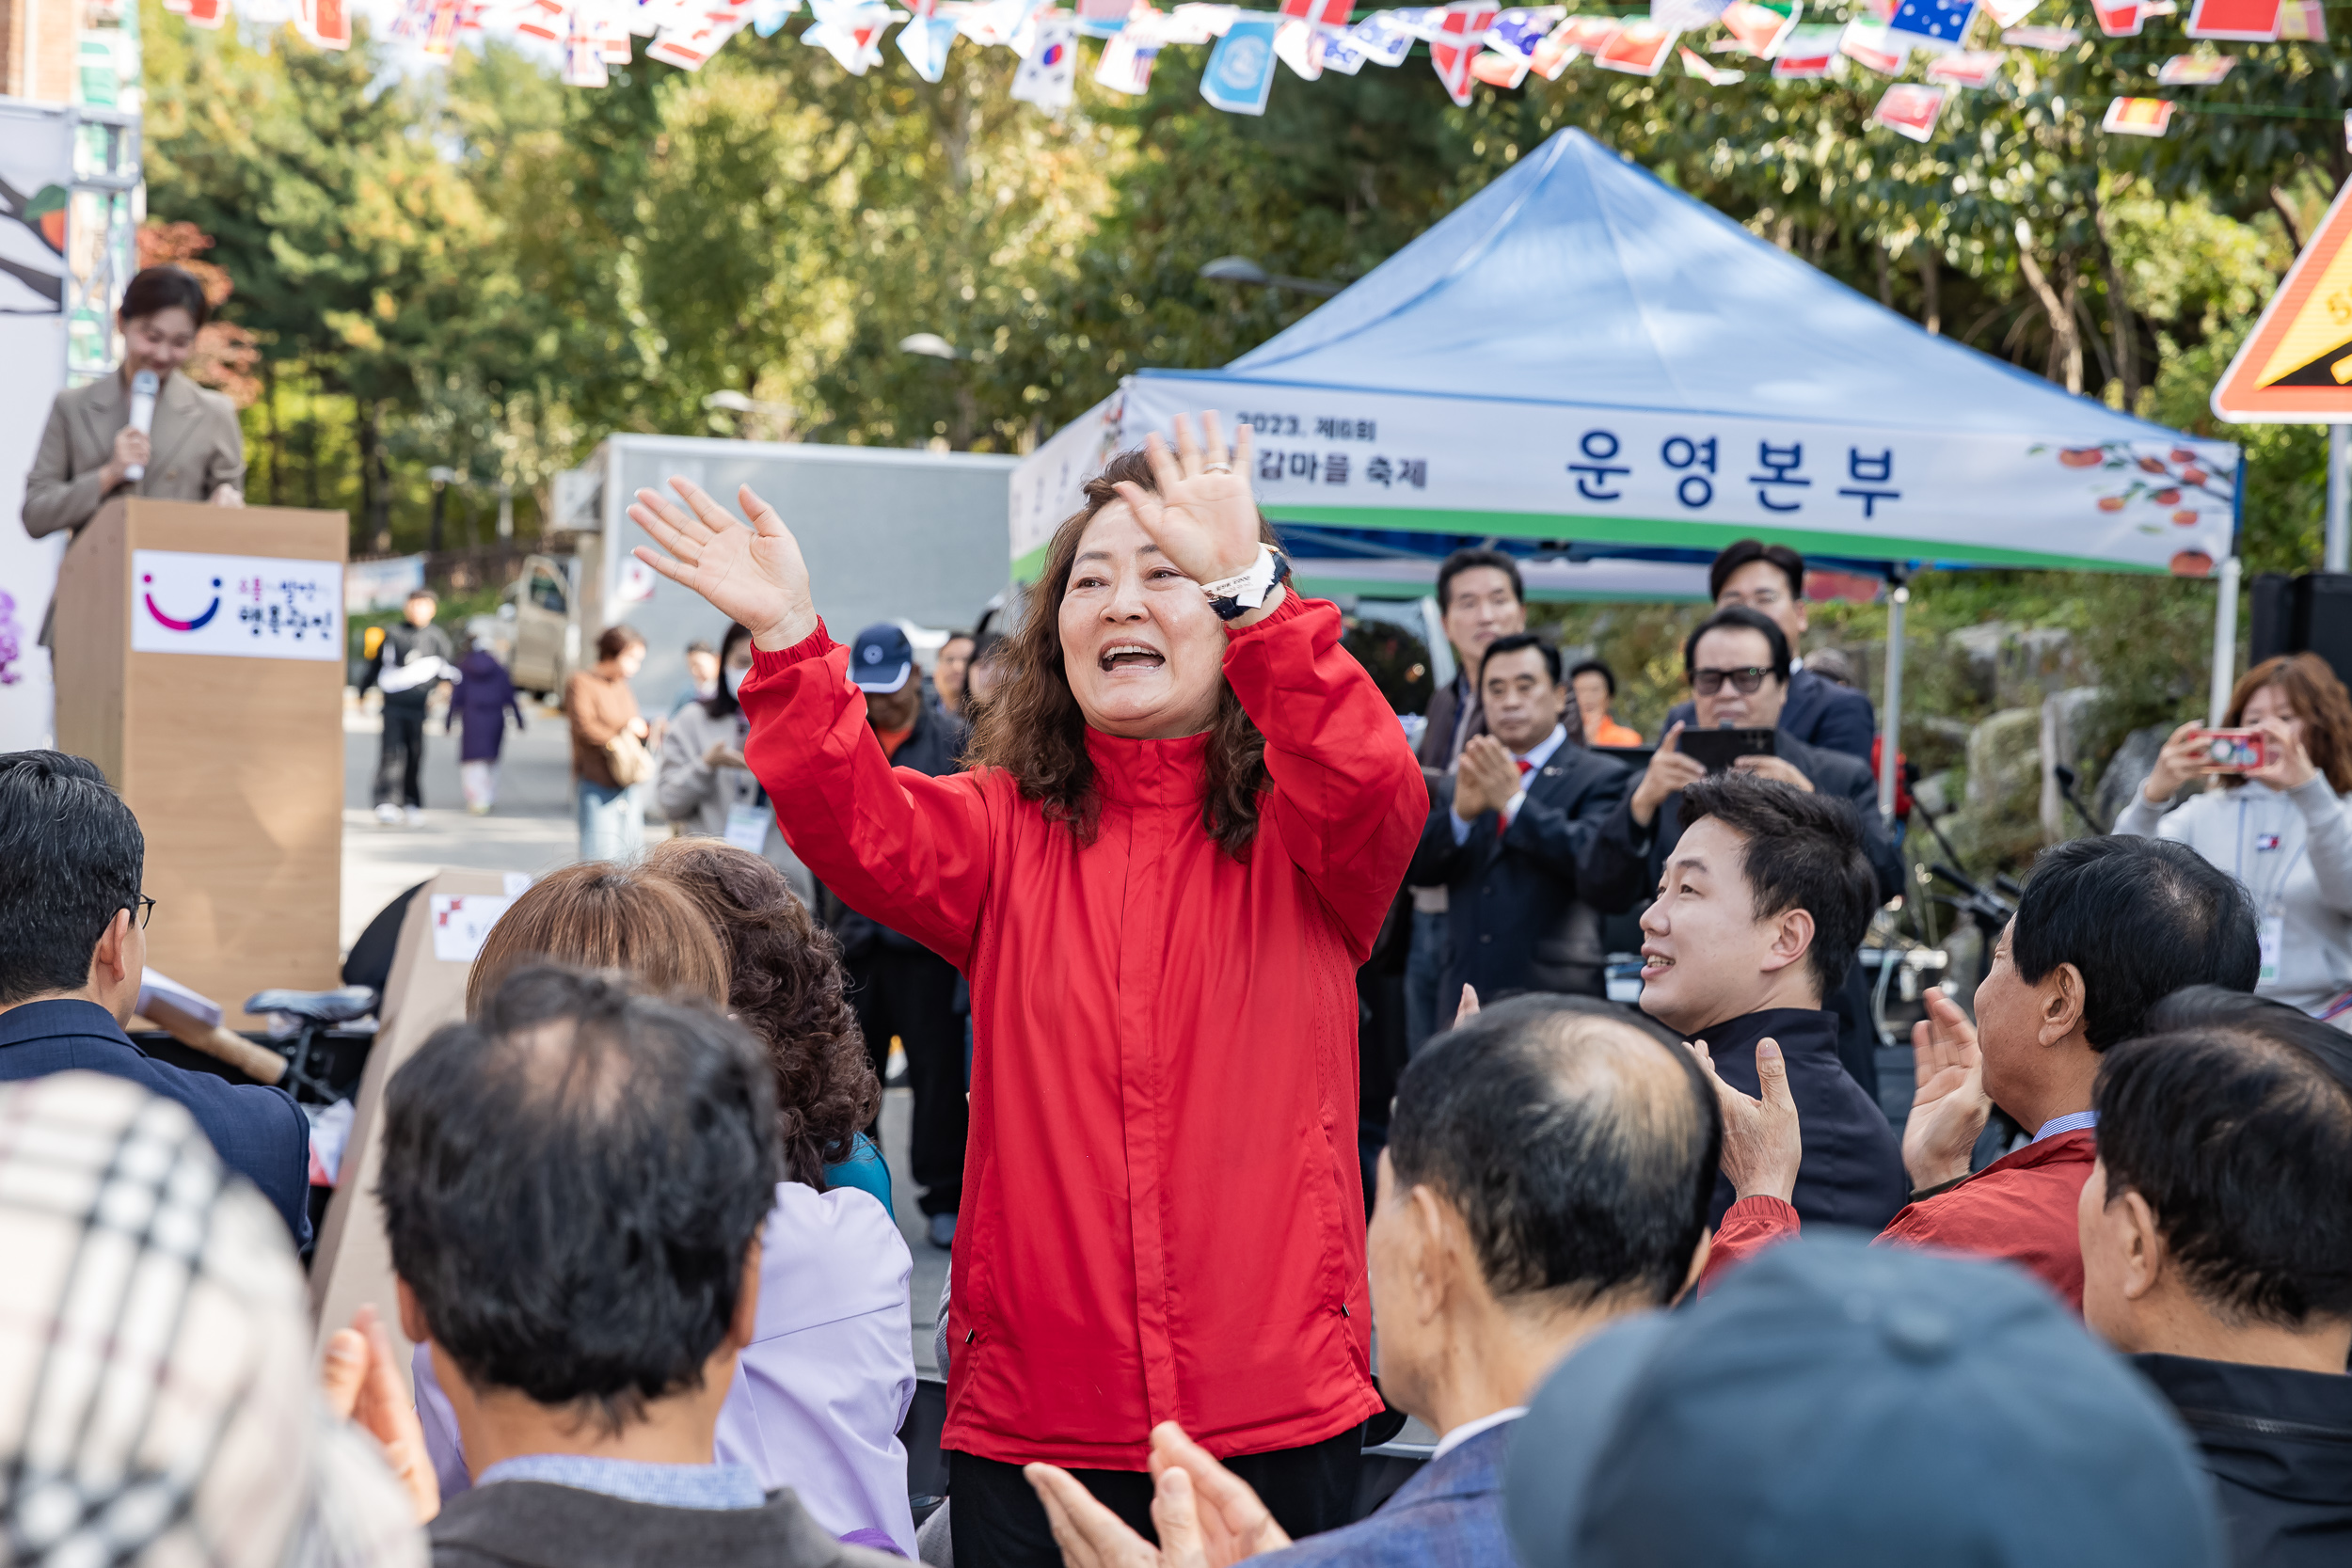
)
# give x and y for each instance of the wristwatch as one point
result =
(1237, 596)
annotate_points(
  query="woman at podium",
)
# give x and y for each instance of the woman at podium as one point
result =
(146, 430)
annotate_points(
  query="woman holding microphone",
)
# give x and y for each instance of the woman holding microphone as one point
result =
(2282, 830)
(1188, 813)
(189, 451)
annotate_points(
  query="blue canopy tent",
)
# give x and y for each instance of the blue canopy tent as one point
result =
(1611, 378)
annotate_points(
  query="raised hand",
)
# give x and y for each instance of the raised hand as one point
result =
(2182, 758)
(1763, 1141)
(751, 574)
(1469, 1008)
(1949, 1108)
(1203, 516)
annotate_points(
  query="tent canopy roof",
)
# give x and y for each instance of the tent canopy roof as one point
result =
(1580, 278)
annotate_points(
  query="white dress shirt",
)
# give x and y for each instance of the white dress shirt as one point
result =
(1469, 1430)
(1534, 758)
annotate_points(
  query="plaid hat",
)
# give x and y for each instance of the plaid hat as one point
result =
(1834, 1402)
(157, 1404)
(881, 659)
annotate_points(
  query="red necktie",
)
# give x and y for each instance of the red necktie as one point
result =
(1502, 824)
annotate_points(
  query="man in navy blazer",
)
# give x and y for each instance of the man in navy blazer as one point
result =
(72, 951)
(1769, 579)
(1508, 829)
(1546, 1174)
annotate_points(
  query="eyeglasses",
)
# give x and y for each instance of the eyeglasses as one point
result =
(1707, 682)
(142, 910)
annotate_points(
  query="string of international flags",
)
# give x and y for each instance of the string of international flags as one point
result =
(1469, 41)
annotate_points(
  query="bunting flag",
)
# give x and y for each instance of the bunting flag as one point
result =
(1590, 35)
(2244, 21)
(1519, 31)
(1299, 47)
(2194, 70)
(1500, 71)
(612, 35)
(542, 20)
(1686, 16)
(325, 23)
(1640, 48)
(1932, 27)
(1240, 73)
(1808, 54)
(1102, 18)
(2302, 21)
(440, 30)
(1966, 68)
(1049, 77)
(768, 16)
(1761, 28)
(1454, 47)
(925, 42)
(1319, 13)
(583, 55)
(1874, 47)
(207, 13)
(2008, 13)
(1382, 38)
(1909, 109)
(1695, 63)
(2137, 116)
(2049, 39)
(2118, 19)
(1554, 56)
(1340, 54)
(994, 22)
(688, 47)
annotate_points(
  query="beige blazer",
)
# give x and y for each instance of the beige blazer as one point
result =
(196, 446)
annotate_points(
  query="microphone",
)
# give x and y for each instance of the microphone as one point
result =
(143, 388)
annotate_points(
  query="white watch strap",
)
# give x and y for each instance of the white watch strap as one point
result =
(1249, 588)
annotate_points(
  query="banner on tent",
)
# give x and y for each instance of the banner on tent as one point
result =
(1543, 471)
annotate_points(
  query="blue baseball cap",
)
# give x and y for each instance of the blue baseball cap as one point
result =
(881, 659)
(1838, 1402)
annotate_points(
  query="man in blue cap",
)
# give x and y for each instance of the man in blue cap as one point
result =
(900, 987)
(1836, 1402)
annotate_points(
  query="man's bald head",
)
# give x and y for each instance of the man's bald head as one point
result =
(1576, 1141)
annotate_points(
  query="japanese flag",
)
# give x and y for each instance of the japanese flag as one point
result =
(1049, 77)
(1459, 36)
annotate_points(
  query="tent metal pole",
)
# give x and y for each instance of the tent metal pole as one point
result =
(2338, 557)
(2224, 644)
(1891, 720)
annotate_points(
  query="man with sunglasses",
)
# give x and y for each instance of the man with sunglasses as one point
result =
(1738, 664)
(1769, 579)
(72, 951)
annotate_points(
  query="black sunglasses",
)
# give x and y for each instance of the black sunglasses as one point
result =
(1707, 682)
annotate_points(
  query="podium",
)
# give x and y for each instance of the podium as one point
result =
(199, 657)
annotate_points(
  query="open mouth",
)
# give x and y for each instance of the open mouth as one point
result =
(1654, 964)
(1131, 656)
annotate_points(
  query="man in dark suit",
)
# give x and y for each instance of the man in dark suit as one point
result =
(897, 986)
(1479, 597)
(1769, 579)
(72, 951)
(1546, 1174)
(1506, 834)
(1738, 668)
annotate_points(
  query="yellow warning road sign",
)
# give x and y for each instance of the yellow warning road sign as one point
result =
(2297, 369)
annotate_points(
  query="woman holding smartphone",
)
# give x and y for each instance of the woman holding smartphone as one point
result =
(2280, 827)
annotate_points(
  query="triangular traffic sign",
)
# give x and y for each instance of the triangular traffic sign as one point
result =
(2297, 369)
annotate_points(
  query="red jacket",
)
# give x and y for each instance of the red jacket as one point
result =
(1162, 1215)
(2021, 1208)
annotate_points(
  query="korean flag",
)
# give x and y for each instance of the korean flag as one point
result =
(1240, 73)
(1049, 76)
(1932, 27)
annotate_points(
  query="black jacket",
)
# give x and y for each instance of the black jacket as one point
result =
(403, 643)
(935, 747)
(1514, 918)
(1817, 712)
(2278, 1443)
(536, 1524)
(1852, 1172)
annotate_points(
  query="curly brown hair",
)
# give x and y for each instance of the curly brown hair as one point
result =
(2318, 699)
(789, 990)
(1032, 727)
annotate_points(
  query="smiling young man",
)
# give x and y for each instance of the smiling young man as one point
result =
(1769, 579)
(1505, 834)
(2106, 928)
(1759, 910)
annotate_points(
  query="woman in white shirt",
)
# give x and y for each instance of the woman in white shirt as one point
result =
(704, 787)
(2282, 830)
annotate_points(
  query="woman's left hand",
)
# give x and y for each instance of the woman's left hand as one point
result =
(1205, 517)
(2290, 767)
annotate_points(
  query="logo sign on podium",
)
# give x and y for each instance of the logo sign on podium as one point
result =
(2296, 368)
(237, 605)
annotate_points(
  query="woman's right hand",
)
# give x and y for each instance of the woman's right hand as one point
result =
(131, 446)
(755, 576)
(2183, 758)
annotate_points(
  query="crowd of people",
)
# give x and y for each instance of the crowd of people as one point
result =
(1664, 1280)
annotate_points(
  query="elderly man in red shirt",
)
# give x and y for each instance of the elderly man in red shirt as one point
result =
(2106, 928)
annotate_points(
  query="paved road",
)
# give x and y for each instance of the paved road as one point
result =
(532, 829)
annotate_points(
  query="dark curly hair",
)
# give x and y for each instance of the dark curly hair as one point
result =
(789, 990)
(1032, 726)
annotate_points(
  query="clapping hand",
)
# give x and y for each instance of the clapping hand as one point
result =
(1669, 770)
(754, 574)
(362, 1385)
(1485, 779)
(1763, 1141)
(1949, 1109)
(1203, 516)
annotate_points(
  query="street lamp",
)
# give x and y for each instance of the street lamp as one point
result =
(1241, 269)
(929, 344)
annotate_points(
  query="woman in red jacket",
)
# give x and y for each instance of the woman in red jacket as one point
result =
(1189, 811)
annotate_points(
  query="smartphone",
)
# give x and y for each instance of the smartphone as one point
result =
(1715, 750)
(2234, 751)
